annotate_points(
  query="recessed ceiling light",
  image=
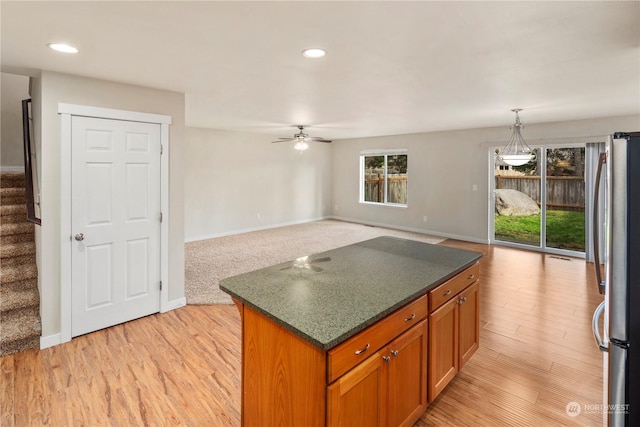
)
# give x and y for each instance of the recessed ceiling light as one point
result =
(61, 47)
(314, 53)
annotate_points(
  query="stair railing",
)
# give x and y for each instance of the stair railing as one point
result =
(30, 171)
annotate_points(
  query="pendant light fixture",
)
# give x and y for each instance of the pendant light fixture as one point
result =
(516, 152)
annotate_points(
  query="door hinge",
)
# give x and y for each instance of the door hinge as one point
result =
(160, 284)
(160, 216)
(161, 149)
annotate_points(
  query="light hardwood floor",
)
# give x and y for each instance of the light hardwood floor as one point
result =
(183, 367)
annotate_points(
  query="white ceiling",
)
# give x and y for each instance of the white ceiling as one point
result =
(392, 67)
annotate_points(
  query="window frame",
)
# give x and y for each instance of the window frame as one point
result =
(386, 153)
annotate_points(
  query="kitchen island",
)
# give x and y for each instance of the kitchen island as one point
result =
(360, 335)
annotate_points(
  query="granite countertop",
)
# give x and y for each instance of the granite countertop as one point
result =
(328, 297)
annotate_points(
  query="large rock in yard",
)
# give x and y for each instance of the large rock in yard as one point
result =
(515, 203)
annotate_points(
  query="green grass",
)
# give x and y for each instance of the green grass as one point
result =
(565, 229)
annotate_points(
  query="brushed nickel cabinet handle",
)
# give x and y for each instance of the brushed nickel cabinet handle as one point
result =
(386, 358)
(471, 276)
(394, 352)
(446, 293)
(362, 350)
(409, 319)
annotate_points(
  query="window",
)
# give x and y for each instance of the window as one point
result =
(383, 177)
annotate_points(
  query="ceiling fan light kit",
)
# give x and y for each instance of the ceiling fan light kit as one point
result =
(301, 139)
(301, 146)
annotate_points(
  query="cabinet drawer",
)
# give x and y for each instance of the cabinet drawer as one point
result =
(453, 286)
(357, 348)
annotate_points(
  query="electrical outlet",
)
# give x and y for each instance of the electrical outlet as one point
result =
(474, 187)
(424, 218)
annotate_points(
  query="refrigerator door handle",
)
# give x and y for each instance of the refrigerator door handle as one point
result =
(594, 326)
(602, 159)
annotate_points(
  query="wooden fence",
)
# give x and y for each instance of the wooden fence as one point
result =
(563, 192)
(374, 188)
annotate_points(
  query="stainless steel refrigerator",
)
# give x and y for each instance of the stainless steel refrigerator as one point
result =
(618, 176)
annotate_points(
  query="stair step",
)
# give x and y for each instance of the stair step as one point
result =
(9, 192)
(11, 228)
(29, 343)
(16, 238)
(17, 249)
(13, 200)
(12, 179)
(13, 219)
(11, 210)
(21, 330)
(13, 196)
(16, 261)
(19, 295)
(15, 273)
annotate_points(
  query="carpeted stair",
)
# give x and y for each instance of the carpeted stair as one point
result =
(20, 327)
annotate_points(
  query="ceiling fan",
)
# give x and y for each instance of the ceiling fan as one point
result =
(301, 139)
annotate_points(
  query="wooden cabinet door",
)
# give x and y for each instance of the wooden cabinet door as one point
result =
(359, 397)
(443, 347)
(469, 323)
(408, 376)
(283, 376)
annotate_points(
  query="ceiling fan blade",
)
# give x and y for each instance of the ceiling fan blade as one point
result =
(302, 137)
(316, 138)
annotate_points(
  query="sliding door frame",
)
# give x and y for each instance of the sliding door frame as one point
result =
(541, 147)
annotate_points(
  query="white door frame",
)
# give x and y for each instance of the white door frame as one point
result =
(66, 111)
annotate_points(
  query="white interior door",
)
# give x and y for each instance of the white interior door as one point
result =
(115, 220)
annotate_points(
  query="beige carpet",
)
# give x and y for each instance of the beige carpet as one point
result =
(20, 326)
(209, 261)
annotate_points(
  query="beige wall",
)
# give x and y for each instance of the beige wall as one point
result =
(54, 88)
(14, 89)
(237, 182)
(443, 167)
(228, 182)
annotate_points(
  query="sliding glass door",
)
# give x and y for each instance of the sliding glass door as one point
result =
(517, 207)
(541, 204)
(565, 198)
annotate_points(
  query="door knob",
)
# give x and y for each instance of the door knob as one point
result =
(79, 237)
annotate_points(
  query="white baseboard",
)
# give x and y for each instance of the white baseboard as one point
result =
(11, 168)
(415, 230)
(339, 218)
(250, 229)
(173, 304)
(50, 341)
